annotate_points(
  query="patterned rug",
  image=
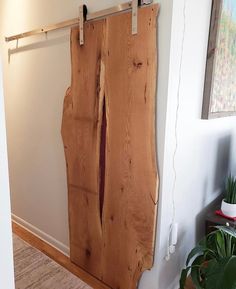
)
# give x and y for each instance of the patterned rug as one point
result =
(34, 270)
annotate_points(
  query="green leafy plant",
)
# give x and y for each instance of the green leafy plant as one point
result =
(230, 190)
(212, 263)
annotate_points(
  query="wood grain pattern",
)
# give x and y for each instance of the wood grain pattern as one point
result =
(81, 130)
(108, 132)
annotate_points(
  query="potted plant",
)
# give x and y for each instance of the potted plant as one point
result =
(228, 205)
(212, 263)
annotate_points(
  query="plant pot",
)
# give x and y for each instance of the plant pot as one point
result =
(228, 209)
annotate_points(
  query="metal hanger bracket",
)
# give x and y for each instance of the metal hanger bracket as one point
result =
(145, 2)
(82, 18)
(135, 5)
(131, 5)
(134, 17)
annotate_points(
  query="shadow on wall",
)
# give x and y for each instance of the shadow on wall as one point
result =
(222, 169)
(41, 44)
(223, 162)
(201, 217)
(211, 191)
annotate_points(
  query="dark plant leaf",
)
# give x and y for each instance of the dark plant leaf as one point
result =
(221, 274)
(184, 275)
(228, 230)
(212, 273)
(196, 272)
(220, 244)
(213, 261)
(229, 276)
(195, 252)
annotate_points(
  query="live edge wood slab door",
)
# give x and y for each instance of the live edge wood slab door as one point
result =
(108, 131)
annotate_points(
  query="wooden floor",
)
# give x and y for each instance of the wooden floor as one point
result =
(62, 259)
(57, 256)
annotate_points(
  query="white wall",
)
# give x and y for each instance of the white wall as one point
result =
(6, 260)
(206, 150)
(36, 77)
(35, 82)
(37, 74)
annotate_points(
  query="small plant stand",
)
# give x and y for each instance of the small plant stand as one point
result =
(214, 220)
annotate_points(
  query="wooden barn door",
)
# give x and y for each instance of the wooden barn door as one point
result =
(108, 132)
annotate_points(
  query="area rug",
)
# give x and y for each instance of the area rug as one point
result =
(34, 270)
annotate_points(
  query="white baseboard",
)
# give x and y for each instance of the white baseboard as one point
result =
(42, 235)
